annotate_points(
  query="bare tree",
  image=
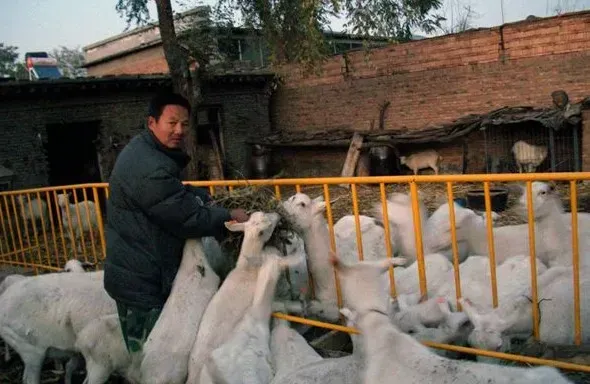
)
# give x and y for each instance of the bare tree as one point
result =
(293, 30)
(70, 61)
(460, 16)
(565, 6)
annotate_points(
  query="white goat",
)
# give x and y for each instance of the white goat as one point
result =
(432, 320)
(553, 232)
(41, 315)
(74, 266)
(425, 159)
(528, 155)
(494, 329)
(401, 221)
(245, 356)
(307, 218)
(295, 279)
(511, 277)
(436, 237)
(165, 353)
(372, 235)
(87, 220)
(392, 356)
(233, 298)
(36, 212)
(339, 370)
(289, 349)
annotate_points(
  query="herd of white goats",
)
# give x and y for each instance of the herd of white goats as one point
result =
(212, 333)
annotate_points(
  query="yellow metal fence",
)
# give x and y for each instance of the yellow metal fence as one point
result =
(47, 244)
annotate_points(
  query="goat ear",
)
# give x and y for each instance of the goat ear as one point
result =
(318, 199)
(234, 226)
(319, 208)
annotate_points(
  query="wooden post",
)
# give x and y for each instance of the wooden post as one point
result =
(217, 154)
(352, 157)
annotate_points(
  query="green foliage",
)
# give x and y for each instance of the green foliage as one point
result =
(293, 30)
(391, 18)
(8, 58)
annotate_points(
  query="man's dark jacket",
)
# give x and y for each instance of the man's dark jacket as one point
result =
(150, 213)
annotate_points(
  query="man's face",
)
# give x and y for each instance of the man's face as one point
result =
(172, 125)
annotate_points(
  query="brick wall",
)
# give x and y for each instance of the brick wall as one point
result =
(438, 80)
(150, 60)
(121, 116)
(244, 114)
(21, 121)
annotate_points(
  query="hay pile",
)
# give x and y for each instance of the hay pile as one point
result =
(252, 199)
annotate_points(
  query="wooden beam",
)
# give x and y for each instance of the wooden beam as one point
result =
(218, 158)
(352, 157)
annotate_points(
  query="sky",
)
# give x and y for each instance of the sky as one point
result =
(41, 25)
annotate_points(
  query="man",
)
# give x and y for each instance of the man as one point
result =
(150, 214)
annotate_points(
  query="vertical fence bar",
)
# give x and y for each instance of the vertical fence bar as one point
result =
(12, 236)
(357, 223)
(21, 201)
(491, 247)
(332, 240)
(298, 188)
(17, 225)
(4, 235)
(61, 224)
(34, 224)
(576, 261)
(52, 225)
(531, 222)
(278, 192)
(99, 222)
(212, 190)
(418, 239)
(43, 225)
(80, 225)
(387, 237)
(90, 225)
(69, 215)
(454, 243)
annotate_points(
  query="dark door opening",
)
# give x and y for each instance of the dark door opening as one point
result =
(209, 121)
(72, 157)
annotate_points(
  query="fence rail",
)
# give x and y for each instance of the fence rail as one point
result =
(48, 248)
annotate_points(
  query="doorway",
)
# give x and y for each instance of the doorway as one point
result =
(72, 157)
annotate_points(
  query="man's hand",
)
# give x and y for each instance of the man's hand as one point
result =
(239, 215)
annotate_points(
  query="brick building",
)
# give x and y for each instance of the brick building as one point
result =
(140, 50)
(58, 132)
(435, 81)
(429, 83)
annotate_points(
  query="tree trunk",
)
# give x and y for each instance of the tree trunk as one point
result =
(183, 83)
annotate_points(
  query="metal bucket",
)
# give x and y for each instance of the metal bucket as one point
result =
(260, 162)
(382, 162)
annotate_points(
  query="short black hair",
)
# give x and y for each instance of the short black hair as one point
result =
(163, 99)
